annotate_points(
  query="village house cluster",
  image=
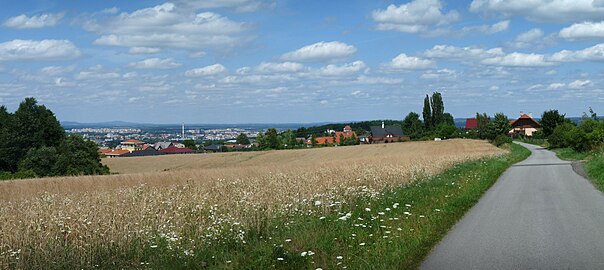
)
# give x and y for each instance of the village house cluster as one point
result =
(525, 125)
(136, 148)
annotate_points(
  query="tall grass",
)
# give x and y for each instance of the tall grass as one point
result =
(130, 220)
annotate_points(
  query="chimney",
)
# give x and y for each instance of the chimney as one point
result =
(183, 131)
(382, 124)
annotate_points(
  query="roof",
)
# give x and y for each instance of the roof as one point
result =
(471, 123)
(527, 120)
(117, 152)
(176, 150)
(213, 147)
(322, 140)
(105, 151)
(132, 141)
(347, 128)
(162, 145)
(379, 132)
(150, 151)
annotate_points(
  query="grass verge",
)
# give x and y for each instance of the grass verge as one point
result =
(395, 229)
(594, 163)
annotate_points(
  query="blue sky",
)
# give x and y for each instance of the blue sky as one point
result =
(250, 61)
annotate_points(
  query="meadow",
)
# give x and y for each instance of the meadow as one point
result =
(184, 206)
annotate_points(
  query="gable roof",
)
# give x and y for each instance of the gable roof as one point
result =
(131, 141)
(213, 147)
(176, 150)
(527, 120)
(149, 151)
(117, 152)
(471, 123)
(162, 145)
(379, 132)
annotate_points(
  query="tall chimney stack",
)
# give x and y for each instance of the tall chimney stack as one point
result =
(382, 124)
(183, 131)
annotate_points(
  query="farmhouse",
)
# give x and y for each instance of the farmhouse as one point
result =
(386, 134)
(148, 151)
(176, 150)
(337, 136)
(524, 126)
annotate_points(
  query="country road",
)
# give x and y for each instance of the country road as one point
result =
(539, 215)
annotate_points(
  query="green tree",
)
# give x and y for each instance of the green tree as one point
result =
(446, 130)
(550, 120)
(438, 108)
(272, 139)
(427, 114)
(483, 125)
(42, 161)
(78, 157)
(412, 125)
(448, 118)
(31, 126)
(501, 124)
(190, 144)
(5, 123)
(261, 140)
(313, 140)
(243, 139)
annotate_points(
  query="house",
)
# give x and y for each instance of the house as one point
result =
(386, 134)
(346, 133)
(176, 150)
(471, 123)
(131, 145)
(117, 153)
(148, 151)
(524, 126)
(162, 145)
(213, 148)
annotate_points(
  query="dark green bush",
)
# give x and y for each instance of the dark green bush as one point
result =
(501, 140)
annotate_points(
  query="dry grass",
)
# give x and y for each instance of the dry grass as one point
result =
(192, 200)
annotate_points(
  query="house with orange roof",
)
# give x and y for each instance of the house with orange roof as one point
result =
(337, 137)
(117, 153)
(524, 126)
(131, 145)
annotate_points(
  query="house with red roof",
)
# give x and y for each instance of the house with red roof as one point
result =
(524, 126)
(346, 133)
(471, 123)
(176, 150)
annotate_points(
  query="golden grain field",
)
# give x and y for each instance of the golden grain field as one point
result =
(215, 196)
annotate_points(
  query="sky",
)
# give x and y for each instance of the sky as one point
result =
(273, 61)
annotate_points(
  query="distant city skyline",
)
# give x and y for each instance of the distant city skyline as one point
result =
(253, 61)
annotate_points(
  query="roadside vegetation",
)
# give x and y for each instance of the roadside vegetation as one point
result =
(340, 210)
(582, 141)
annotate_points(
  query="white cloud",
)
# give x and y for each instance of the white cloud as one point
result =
(579, 84)
(96, 75)
(414, 17)
(206, 71)
(595, 53)
(143, 50)
(342, 70)
(462, 53)
(377, 80)
(165, 26)
(238, 5)
(488, 29)
(40, 21)
(402, 61)
(542, 10)
(583, 30)
(48, 49)
(527, 39)
(518, 60)
(155, 63)
(441, 74)
(56, 70)
(555, 86)
(284, 67)
(321, 51)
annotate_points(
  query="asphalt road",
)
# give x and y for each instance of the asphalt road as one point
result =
(539, 215)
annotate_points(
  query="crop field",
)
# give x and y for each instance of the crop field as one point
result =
(188, 203)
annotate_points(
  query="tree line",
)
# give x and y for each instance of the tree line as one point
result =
(561, 132)
(33, 144)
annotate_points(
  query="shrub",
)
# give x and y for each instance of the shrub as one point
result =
(501, 140)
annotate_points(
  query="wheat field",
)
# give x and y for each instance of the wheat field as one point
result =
(196, 200)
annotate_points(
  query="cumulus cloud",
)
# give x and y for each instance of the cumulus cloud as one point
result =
(48, 49)
(542, 10)
(413, 17)
(39, 21)
(211, 70)
(583, 30)
(579, 84)
(341, 70)
(441, 74)
(238, 5)
(555, 86)
(284, 67)
(143, 50)
(321, 51)
(518, 60)
(402, 61)
(488, 29)
(155, 63)
(527, 39)
(462, 53)
(595, 53)
(165, 26)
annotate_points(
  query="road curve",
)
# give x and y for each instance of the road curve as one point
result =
(540, 214)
